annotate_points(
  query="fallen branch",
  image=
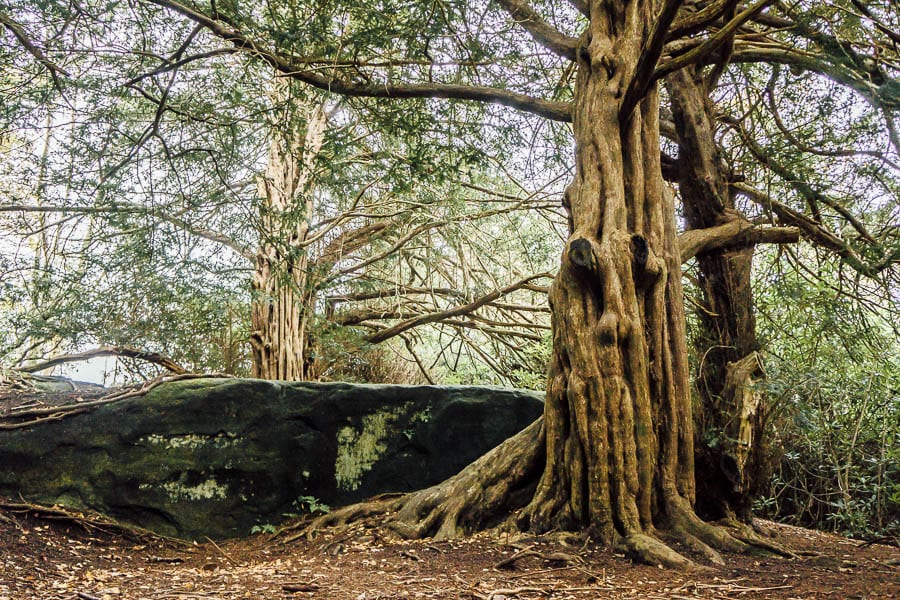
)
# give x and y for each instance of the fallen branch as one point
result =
(510, 592)
(123, 351)
(300, 587)
(552, 557)
(227, 556)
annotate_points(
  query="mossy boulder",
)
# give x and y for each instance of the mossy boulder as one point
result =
(214, 457)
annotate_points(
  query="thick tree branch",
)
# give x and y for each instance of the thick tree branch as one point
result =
(713, 43)
(695, 22)
(643, 73)
(348, 242)
(543, 32)
(124, 351)
(557, 111)
(452, 312)
(736, 232)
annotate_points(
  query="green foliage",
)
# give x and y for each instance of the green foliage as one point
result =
(531, 373)
(834, 385)
(302, 505)
(265, 528)
(308, 504)
(158, 214)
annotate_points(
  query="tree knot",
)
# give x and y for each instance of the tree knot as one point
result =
(581, 254)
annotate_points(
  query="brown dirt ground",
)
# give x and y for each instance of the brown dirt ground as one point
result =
(55, 558)
(50, 556)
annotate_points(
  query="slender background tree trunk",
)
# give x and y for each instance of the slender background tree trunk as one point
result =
(283, 298)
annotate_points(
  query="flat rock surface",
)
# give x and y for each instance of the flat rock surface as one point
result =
(58, 559)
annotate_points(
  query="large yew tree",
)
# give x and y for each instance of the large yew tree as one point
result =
(613, 454)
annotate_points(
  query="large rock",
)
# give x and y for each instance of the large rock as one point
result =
(214, 457)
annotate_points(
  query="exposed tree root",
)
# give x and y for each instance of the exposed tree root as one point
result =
(552, 557)
(645, 549)
(87, 519)
(481, 496)
(492, 491)
(751, 535)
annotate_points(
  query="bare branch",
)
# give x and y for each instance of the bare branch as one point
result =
(19, 32)
(816, 233)
(208, 234)
(396, 291)
(452, 312)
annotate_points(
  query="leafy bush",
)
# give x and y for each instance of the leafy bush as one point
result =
(834, 386)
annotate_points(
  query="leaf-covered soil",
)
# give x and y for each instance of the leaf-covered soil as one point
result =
(54, 557)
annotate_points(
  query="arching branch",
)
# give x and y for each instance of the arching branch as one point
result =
(557, 111)
(123, 351)
(543, 32)
(738, 231)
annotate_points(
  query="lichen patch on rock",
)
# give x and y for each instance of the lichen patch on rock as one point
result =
(358, 450)
(209, 489)
(193, 441)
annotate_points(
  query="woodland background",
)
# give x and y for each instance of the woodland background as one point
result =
(161, 191)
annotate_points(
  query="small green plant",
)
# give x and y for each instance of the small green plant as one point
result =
(265, 528)
(307, 505)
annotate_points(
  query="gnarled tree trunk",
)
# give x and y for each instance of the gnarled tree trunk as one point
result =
(283, 295)
(618, 413)
(731, 416)
(617, 437)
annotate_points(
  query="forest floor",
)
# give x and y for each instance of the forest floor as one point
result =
(52, 556)
(55, 555)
